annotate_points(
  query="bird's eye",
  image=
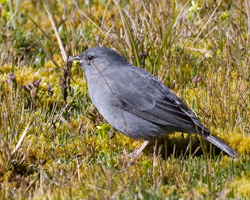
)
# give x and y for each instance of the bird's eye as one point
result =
(90, 57)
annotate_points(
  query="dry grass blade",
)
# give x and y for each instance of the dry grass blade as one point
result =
(79, 10)
(125, 27)
(206, 23)
(40, 29)
(63, 52)
(199, 50)
(47, 53)
(104, 13)
(248, 16)
(129, 35)
(21, 139)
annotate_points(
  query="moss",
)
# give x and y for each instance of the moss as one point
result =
(241, 186)
(65, 154)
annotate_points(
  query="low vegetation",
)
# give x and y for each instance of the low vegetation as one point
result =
(55, 145)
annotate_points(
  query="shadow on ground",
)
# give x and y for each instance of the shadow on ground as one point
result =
(182, 146)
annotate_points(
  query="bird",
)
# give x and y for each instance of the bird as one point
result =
(135, 102)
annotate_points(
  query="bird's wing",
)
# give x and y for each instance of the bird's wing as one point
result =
(154, 102)
(160, 111)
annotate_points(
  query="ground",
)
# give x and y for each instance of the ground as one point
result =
(54, 143)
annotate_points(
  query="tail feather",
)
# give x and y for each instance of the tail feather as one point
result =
(220, 144)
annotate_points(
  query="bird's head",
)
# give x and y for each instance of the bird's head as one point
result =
(99, 57)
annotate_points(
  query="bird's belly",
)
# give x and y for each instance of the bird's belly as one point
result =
(131, 125)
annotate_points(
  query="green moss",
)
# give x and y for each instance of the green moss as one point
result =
(71, 152)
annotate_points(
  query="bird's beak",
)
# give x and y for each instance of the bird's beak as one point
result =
(71, 59)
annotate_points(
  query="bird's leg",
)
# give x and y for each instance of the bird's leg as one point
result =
(137, 152)
(133, 153)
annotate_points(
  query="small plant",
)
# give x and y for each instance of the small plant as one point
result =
(53, 142)
(32, 93)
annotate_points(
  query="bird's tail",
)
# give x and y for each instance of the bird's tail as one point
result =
(220, 144)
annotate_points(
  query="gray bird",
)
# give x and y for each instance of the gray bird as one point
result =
(135, 102)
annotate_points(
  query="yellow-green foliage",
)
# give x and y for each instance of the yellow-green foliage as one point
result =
(200, 50)
(241, 186)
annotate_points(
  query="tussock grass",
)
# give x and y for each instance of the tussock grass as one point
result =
(55, 145)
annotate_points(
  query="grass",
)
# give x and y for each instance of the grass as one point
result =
(55, 145)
